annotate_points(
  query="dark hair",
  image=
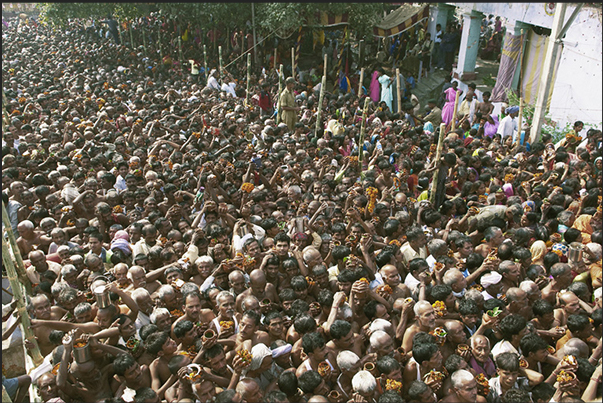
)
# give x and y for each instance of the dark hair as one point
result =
(144, 394)
(453, 363)
(468, 307)
(416, 389)
(122, 362)
(312, 341)
(309, 380)
(387, 364)
(532, 343)
(511, 325)
(155, 341)
(541, 307)
(543, 392)
(577, 322)
(508, 361)
(424, 351)
(253, 315)
(440, 292)
(339, 328)
(182, 327)
(516, 396)
(390, 396)
(275, 396)
(287, 382)
(585, 370)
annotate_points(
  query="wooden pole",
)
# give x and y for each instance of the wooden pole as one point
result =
(144, 39)
(280, 89)
(360, 82)
(248, 77)
(21, 303)
(362, 129)
(205, 62)
(5, 396)
(159, 42)
(180, 47)
(436, 174)
(131, 35)
(220, 60)
(398, 91)
(519, 119)
(275, 50)
(323, 87)
(456, 105)
(12, 241)
(293, 62)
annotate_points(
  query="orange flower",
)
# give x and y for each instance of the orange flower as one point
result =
(392, 384)
(395, 242)
(247, 187)
(386, 288)
(364, 280)
(440, 308)
(245, 355)
(118, 209)
(177, 313)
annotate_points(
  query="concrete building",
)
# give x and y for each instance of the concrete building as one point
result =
(577, 82)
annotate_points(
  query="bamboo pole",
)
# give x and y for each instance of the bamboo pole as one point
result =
(293, 62)
(220, 60)
(21, 303)
(16, 253)
(519, 119)
(131, 36)
(323, 87)
(456, 105)
(280, 89)
(436, 174)
(360, 82)
(144, 39)
(5, 396)
(248, 77)
(159, 41)
(180, 48)
(275, 50)
(205, 62)
(362, 128)
(398, 91)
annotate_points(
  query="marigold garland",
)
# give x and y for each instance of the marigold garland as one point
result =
(371, 193)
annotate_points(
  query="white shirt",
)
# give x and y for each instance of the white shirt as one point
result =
(507, 127)
(411, 282)
(438, 37)
(213, 83)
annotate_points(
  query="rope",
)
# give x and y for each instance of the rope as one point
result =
(249, 50)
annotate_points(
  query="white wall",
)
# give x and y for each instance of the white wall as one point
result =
(577, 91)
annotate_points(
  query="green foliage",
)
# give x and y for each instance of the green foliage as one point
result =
(284, 17)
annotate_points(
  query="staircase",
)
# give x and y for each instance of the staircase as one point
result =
(430, 87)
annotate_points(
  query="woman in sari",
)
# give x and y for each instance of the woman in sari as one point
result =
(585, 224)
(375, 88)
(538, 250)
(448, 109)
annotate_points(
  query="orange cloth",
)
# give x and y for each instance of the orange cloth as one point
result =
(582, 223)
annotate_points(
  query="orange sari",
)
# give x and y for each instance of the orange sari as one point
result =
(582, 223)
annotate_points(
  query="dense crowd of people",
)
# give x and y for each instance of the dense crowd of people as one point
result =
(184, 245)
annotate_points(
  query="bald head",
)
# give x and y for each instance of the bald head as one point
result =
(257, 276)
(516, 294)
(25, 227)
